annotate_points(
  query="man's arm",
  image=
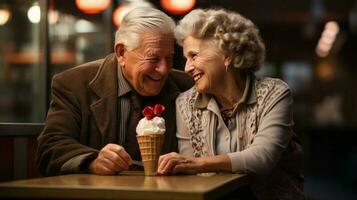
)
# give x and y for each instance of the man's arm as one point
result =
(59, 150)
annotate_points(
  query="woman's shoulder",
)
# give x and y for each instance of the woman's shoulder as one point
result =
(266, 85)
(188, 95)
(271, 90)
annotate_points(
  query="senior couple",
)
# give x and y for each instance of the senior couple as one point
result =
(227, 120)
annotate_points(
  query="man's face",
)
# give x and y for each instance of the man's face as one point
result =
(147, 67)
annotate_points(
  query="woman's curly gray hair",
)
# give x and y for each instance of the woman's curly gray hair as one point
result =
(234, 34)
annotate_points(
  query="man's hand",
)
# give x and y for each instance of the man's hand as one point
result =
(111, 159)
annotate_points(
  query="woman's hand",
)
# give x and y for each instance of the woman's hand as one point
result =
(173, 163)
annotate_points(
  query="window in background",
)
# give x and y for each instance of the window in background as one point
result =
(298, 75)
(78, 35)
(32, 50)
(22, 96)
(332, 103)
(269, 69)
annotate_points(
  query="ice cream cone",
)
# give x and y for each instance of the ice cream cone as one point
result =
(150, 146)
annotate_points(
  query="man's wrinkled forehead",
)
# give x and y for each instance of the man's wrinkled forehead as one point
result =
(155, 41)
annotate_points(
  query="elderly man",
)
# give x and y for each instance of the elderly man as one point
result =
(90, 126)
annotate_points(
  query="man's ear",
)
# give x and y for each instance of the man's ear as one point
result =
(119, 52)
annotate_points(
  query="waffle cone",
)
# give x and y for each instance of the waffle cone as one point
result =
(150, 146)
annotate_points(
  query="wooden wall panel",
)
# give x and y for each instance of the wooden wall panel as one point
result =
(6, 158)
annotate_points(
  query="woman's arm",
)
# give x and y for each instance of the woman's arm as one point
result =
(271, 140)
(185, 162)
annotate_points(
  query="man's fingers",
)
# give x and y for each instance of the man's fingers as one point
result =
(117, 156)
(109, 164)
(125, 157)
(121, 152)
(116, 159)
(100, 168)
(103, 170)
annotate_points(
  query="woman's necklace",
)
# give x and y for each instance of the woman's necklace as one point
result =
(227, 116)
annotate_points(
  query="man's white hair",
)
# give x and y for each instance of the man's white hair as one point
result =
(141, 20)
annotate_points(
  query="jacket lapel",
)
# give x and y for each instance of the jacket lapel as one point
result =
(104, 107)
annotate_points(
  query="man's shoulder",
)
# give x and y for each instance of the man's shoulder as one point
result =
(181, 79)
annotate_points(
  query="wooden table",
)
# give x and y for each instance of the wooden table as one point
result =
(128, 185)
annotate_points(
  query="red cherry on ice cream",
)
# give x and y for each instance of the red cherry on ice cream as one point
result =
(151, 112)
(148, 112)
(158, 109)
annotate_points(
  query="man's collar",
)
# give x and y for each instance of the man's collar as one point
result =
(123, 85)
(249, 95)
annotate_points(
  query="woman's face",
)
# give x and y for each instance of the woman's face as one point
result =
(204, 64)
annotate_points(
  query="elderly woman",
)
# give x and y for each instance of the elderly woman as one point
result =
(232, 121)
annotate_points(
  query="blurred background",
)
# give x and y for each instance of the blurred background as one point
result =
(312, 45)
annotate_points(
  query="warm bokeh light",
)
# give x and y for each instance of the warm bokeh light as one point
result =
(4, 16)
(328, 37)
(177, 7)
(84, 26)
(53, 16)
(92, 6)
(120, 12)
(326, 70)
(34, 14)
(332, 26)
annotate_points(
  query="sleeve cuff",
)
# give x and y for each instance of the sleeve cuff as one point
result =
(78, 164)
(237, 162)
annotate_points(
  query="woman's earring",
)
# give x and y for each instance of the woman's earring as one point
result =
(227, 62)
